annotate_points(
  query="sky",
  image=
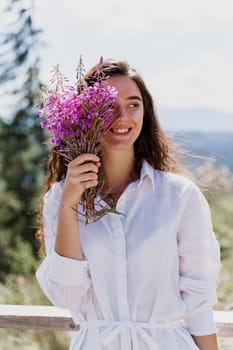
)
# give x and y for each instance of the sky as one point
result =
(182, 48)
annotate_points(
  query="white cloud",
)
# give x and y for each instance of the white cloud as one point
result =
(115, 17)
(179, 15)
(198, 84)
(182, 47)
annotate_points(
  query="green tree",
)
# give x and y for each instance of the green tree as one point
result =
(21, 139)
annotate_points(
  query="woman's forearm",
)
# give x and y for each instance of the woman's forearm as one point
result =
(81, 175)
(206, 342)
(68, 239)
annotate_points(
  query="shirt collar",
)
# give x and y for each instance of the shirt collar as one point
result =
(147, 171)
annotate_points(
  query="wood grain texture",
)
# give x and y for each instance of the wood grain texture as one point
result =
(51, 317)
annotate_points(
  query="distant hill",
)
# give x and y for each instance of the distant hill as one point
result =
(218, 146)
(206, 132)
(196, 120)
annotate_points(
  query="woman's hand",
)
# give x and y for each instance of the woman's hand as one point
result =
(82, 173)
(206, 342)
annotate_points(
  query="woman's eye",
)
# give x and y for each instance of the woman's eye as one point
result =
(133, 105)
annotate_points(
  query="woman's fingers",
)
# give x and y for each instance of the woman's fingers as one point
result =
(75, 170)
(89, 184)
(82, 173)
(83, 164)
(83, 177)
(86, 157)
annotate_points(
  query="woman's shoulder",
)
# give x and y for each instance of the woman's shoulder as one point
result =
(176, 182)
(55, 191)
(179, 188)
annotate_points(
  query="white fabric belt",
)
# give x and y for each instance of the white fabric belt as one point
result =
(114, 328)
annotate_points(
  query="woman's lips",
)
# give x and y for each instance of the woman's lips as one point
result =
(120, 131)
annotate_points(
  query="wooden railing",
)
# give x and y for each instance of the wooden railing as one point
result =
(51, 317)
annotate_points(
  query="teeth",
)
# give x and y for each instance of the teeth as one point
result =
(120, 131)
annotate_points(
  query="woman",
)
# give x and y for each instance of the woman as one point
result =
(145, 279)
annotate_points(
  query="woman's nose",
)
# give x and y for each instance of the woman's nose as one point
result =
(122, 113)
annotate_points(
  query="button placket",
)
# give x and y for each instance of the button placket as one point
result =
(121, 263)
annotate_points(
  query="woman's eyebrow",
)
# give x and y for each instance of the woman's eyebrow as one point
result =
(134, 98)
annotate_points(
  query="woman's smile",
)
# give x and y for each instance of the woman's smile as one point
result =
(130, 110)
(120, 130)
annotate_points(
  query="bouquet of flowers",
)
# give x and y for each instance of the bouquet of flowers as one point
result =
(76, 117)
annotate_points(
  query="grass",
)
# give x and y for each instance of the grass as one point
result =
(21, 290)
(33, 340)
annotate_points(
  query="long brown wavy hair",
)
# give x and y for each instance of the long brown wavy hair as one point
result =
(152, 145)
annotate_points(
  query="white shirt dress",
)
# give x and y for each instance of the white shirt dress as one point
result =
(148, 279)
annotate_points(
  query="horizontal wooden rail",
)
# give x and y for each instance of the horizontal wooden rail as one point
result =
(51, 317)
(36, 317)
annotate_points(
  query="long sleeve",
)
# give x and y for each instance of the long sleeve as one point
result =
(64, 281)
(199, 257)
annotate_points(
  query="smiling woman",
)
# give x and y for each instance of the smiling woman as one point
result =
(146, 279)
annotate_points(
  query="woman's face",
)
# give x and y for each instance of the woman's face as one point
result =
(128, 124)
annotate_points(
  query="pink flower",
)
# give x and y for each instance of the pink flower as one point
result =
(76, 118)
(21, 280)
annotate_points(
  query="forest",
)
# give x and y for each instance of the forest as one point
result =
(23, 158)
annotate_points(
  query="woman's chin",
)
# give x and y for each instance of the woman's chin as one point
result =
(117, 145)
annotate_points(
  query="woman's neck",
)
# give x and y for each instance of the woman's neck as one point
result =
(117, 166)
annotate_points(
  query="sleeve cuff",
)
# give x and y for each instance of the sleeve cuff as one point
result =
(202, 324)
(68, 271)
